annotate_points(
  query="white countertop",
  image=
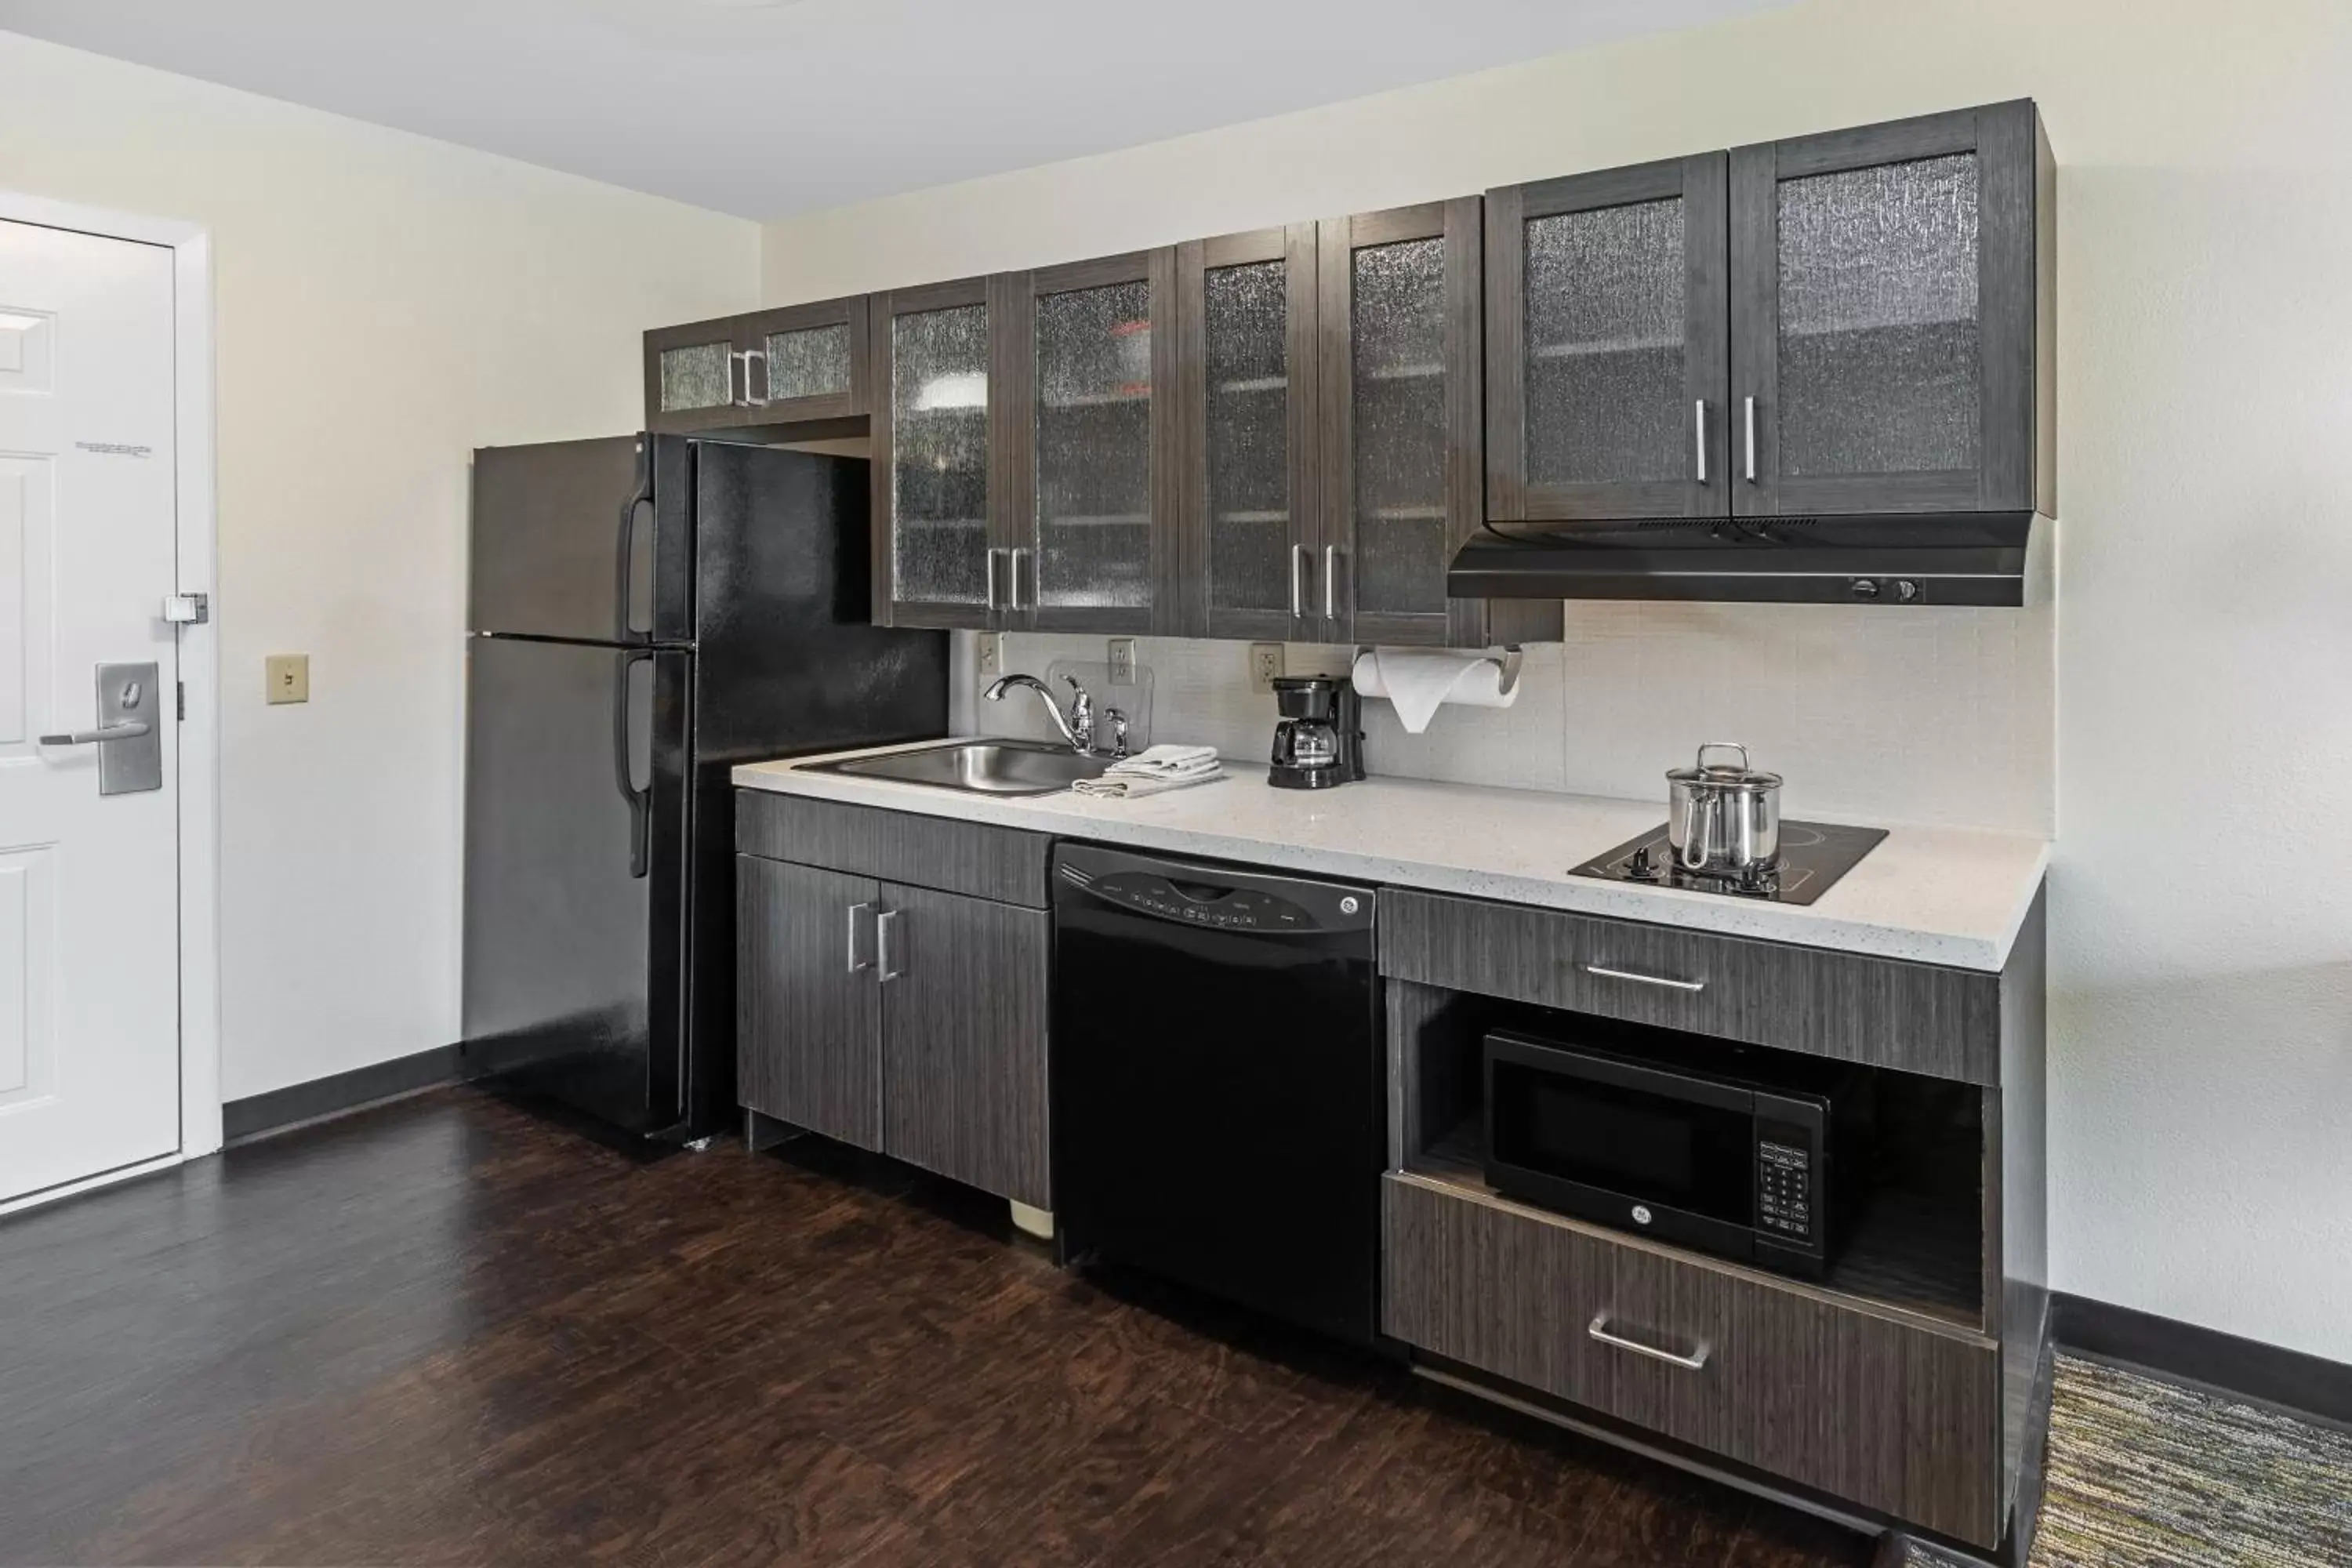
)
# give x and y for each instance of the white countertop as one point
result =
(1945, 896)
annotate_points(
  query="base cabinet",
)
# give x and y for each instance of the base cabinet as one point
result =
(899, 1019)
(808, 1014)
(1895, 1415)
(963, 1040)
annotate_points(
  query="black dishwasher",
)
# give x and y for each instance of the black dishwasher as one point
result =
(1219, 1112)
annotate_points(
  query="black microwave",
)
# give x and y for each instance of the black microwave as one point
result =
(1743, 1167)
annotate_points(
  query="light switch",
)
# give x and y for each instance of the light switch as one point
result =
(288, 676)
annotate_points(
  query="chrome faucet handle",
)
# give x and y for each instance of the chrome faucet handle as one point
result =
(1082, 715)
(1117, 732)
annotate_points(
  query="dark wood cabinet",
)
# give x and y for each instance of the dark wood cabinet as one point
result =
(1090, 464)
(1251, 532)
(894, 1016)
(1851, 323)
(944, 528)
(1398, 302)
(1899, 1417)
(808, 1014)
(798, 364)
(963, 1039)
(1608, 344)
(1890, 346)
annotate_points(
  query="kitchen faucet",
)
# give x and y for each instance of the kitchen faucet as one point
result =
(1079, 729)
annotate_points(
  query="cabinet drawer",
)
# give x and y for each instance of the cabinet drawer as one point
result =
(1000, 863)
(1881, 1011)
(1898, 1418)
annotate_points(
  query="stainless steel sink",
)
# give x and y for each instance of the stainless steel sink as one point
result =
(978, 767)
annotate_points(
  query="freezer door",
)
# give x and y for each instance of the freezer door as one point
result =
(591, 540)
(576, 871)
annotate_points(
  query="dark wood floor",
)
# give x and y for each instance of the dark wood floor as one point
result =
(445, 1332)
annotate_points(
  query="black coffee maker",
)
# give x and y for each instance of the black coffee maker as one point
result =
(1320, 740)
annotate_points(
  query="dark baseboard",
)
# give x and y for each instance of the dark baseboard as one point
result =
(2292, 1380)
(280, 1108)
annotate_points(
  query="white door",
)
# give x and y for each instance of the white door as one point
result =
(89, 989)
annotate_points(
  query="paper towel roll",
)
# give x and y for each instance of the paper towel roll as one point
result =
(1416, 681)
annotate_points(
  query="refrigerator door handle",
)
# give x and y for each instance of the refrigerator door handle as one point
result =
(624, 578)
(640, 801)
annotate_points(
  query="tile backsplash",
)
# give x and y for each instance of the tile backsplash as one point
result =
(1922, 715)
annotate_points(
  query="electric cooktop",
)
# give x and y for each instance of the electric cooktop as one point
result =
(1813, 855)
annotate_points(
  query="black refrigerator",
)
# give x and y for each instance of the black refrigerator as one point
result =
(646, 612)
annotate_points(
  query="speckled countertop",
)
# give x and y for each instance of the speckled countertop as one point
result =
(1946, 896)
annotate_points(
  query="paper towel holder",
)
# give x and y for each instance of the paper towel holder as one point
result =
(1509, 662)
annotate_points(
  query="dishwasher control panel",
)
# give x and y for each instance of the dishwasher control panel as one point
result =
(1210, 898)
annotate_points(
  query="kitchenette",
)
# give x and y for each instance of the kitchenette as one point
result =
(1160, 740)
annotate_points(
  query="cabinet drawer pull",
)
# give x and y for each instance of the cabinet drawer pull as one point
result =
(856, 962)
(883, 924)
(1607, 973)
(1599, 1329)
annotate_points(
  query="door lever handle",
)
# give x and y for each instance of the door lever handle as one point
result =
(127, 730)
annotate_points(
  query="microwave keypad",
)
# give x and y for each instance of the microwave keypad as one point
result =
(1784, 1188)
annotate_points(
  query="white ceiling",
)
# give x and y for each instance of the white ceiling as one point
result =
(766, 107)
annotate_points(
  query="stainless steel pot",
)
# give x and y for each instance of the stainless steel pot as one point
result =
(1724, 821)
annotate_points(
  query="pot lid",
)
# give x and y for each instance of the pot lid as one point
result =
(1722, 776)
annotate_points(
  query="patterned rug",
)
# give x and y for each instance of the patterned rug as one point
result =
(2143, 1474)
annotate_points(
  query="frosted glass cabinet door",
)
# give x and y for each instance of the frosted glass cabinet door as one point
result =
(1248, 384)
(1885, 282)
(1096, 537)
(1397, 307)
(1608, 342)
(799, 365)
(938, 560)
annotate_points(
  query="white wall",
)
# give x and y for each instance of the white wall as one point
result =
(385, 305)
(2202, 911)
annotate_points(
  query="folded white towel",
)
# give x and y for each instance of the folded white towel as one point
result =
(1115, 785)
(1159, 762)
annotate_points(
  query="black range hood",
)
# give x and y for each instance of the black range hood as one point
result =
(1896, 558)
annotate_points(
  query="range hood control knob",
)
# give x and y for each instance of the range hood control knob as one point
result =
(1864, 588)
(1905, 591)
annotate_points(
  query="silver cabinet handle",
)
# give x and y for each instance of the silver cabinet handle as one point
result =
(1749, 419)
(1330, 582)
(1297, 593)
(1599, 1329)
(1606, 974)
(883, 924)
(1013, 582)
(126, 729)
(856, 962)
(747, 400)
(1699, 417)
(992, 578)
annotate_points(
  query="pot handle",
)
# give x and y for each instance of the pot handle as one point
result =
(1706, 813)
(1706, 746)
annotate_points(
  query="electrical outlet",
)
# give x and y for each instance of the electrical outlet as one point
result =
(1122, 661)
(286, 676)
(988, 657)
(1265, 664)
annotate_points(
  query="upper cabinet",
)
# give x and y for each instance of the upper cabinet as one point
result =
(943, 537)
(1397, 306)
(1836, 325)
(796, 365)
(1250, 533)
(1091, 467)
(1891, 348)
(1608, 344)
